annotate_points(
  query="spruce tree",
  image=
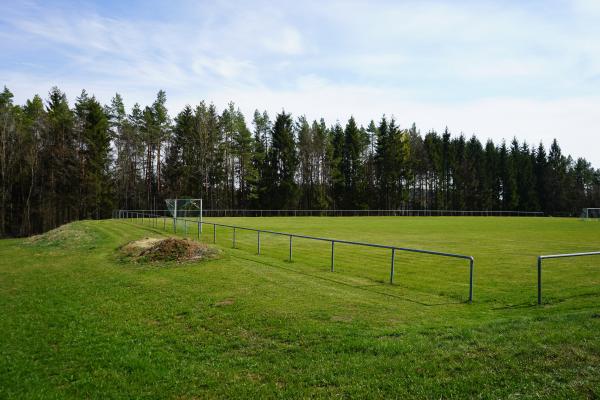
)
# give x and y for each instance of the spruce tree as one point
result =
(283, 161)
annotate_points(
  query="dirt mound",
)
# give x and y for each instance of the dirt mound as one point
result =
(169, 249)
(69, 235)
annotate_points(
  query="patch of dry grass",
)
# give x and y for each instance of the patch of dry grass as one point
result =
(69, 235)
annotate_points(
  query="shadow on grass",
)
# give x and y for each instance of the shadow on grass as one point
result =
(365, 287)
(516, 306)
(552, 301)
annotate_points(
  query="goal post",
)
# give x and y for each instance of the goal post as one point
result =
(588, 214)
(183, 207)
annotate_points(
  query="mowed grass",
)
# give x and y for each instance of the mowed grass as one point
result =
(78, 322)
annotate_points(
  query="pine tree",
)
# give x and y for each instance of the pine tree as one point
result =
(134, 160)
(178, 171)
(8, 139)
(445, 181)
(322, 154)
(338, 189)
(215, 180)
(435, 170)
(59, 164)
(381, 164)
(244, 169)
(351, 165)
(370, 174)
(117, 118)
(33, 125)
(56, 164)
(541, 177)
(283, 161)
(95, 197)
(262, 129)
(458, 172)
(528, 200)
(491, 178)
(474, 183)
(557, 176)
(417, 168)
(162, 126)
(305, 162)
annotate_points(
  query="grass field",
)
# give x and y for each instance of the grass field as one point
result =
(80, 322)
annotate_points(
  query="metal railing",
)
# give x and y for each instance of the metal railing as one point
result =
(344, 213)
(124, 214)
(539, 267)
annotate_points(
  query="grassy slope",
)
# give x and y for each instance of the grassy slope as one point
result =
(76, 322)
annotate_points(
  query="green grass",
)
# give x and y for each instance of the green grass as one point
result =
(79, 322)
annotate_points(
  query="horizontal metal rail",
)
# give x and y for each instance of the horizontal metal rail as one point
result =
(546, 257)
(333, 212)
(135, 214)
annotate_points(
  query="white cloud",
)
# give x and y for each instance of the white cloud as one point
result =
(573, 121)
(228, 68)
(286, 41)
(497, 69)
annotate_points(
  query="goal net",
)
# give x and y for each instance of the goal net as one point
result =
(590, 214)
(185, 207)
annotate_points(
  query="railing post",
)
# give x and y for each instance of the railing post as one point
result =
(539, 279)
(471, 267)
(392, 267)
(258, 242)
(290, 248)
(332, 255)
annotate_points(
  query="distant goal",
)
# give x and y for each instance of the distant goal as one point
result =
(184, 207)
(589, 214)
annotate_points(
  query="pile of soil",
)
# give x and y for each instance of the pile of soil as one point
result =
(169, 249)
(74, 234)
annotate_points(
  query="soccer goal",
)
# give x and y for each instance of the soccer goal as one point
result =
(589, 214)
(185, 208)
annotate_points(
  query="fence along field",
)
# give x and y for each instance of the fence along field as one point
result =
(431, 277)
(226, 212)
(328, 254)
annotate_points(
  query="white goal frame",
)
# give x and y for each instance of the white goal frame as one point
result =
(175, 202)
(585, 214)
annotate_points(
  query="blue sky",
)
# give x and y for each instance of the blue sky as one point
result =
(498, 69)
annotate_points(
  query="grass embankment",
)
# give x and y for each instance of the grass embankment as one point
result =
(79, 321)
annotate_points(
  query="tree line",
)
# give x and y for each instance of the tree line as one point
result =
(60, 163)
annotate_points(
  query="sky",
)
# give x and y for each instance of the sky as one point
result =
(497, 69)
